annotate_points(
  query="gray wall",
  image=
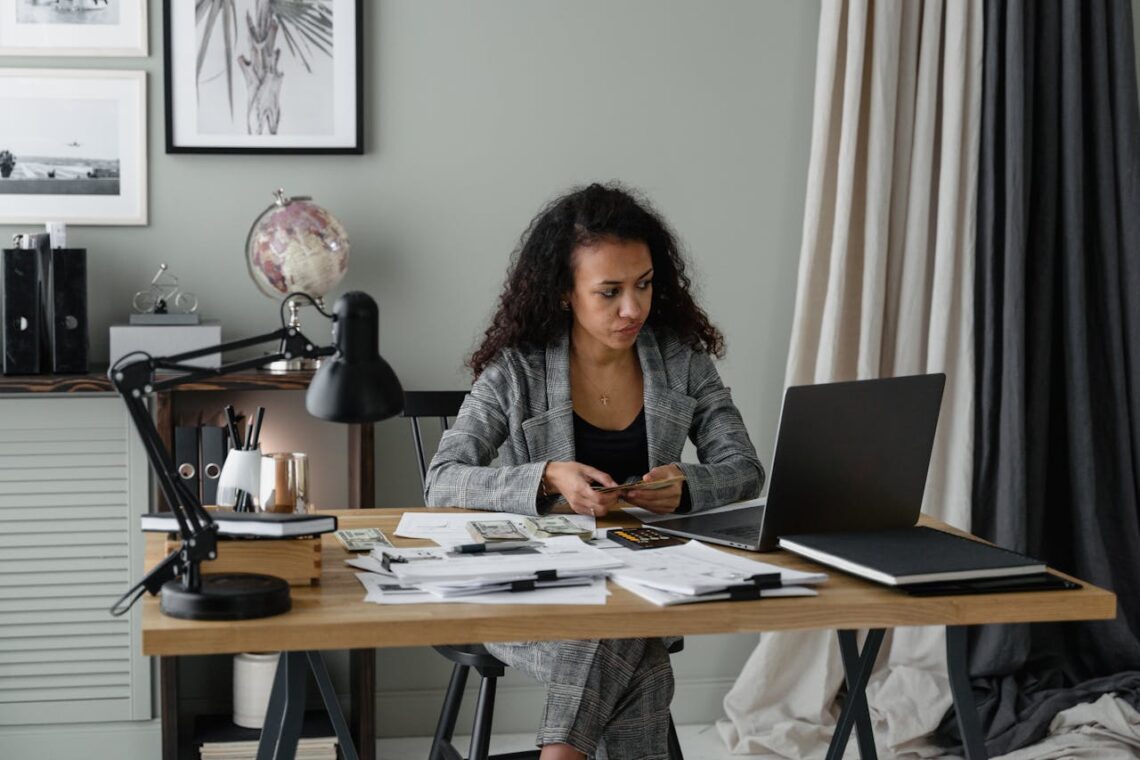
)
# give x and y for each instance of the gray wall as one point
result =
(476, 114)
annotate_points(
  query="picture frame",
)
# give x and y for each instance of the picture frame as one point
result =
(73, 28)
(300, 90)
(73, 148)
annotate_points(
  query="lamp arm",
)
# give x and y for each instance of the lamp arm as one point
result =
(135, 381)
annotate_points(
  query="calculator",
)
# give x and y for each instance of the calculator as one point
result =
(643, 538)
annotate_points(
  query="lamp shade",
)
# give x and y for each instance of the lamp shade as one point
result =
(356, 385)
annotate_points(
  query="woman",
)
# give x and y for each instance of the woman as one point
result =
(595, 369)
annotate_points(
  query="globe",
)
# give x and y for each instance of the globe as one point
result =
(296, 246)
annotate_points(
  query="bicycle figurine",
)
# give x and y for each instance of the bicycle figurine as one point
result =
(163, 294)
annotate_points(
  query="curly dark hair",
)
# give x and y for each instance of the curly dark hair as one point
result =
(541, 273)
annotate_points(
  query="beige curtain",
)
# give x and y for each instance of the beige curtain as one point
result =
(885, 288)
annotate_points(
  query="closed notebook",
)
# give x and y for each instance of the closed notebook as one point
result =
(903, 556)
(253, 524)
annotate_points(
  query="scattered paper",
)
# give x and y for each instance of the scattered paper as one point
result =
(381, 590)
(669, 598)
(695, 568)
(563, 554)
(451, 529)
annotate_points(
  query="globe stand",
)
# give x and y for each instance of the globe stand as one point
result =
(296, 363)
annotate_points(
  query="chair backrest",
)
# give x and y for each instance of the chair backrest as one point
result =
(443, 405)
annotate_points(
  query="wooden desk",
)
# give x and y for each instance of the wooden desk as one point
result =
(333, 615)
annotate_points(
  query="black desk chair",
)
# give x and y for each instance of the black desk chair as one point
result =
(444, 405)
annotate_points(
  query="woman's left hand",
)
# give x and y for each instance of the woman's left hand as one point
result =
(663, 500)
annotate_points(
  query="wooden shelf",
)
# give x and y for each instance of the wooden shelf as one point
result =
(93, 382)
(250, 380)
(96, 382)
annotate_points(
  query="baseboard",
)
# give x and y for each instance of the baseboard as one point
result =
(399, 713)
(91, 740)
(413, 712)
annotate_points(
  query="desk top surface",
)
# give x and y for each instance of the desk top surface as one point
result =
(333, 615)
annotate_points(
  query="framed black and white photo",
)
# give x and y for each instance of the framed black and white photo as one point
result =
(258, 76)
(73, 27)
(73, 147)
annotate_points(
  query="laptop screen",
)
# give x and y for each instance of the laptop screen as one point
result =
(853, 455)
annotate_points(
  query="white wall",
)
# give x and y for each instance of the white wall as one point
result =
(476, 115)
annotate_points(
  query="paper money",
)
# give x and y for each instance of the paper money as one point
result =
(362, 539)
(643, 485)
(549, 526)
(495, 530)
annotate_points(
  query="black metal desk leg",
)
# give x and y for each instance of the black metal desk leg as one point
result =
(286, 710)
(858, 673)
(328, 694)
(964, 706)
(849, 651)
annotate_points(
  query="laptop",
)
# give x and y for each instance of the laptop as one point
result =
(849, 456)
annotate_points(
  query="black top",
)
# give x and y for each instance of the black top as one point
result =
(623, 454)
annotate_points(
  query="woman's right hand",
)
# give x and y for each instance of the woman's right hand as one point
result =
(575, 482)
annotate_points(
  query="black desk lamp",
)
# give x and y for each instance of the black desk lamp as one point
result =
(355, 385)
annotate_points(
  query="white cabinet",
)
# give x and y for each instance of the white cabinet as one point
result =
(73, 482)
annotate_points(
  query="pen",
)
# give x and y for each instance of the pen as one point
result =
(254, 436)
(231, 425)
(503, 546)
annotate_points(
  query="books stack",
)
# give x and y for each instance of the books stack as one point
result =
(219, 738)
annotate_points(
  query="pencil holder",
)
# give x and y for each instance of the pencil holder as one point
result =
(241, 472)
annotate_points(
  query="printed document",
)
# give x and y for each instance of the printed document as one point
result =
(565, 554)
(385, 590)
(695, 568)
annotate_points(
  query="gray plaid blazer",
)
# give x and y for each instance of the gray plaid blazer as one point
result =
(520, 409)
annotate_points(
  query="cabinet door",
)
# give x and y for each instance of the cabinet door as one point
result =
(73, 482)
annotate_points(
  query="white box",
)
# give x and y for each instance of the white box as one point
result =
(167, 340)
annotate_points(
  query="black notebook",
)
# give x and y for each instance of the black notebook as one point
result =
(904, 556)
(254, 524)
(1006, 584)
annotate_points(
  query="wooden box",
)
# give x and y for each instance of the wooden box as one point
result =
(297, 560)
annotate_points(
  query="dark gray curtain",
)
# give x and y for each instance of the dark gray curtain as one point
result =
(1057, 306)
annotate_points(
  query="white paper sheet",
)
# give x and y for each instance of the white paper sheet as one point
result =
(562, 554)
(695, 568)
(451, 529)
(668, 598)
(595, 593)
(450, 591)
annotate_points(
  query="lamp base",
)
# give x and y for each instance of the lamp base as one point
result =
(227, 596)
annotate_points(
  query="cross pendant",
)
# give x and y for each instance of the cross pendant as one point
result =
(605, 400)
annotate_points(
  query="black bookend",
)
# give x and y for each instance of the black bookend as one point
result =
(214, 447)
(68, 340)
(186, 459)
(21, 309)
